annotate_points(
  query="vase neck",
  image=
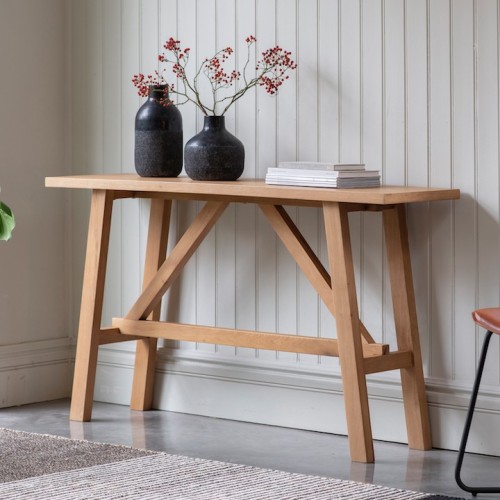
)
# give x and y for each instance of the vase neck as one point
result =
(214, 122)
(157, 92)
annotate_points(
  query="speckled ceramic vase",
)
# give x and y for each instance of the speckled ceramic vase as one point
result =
(214, 154)
(158, 137)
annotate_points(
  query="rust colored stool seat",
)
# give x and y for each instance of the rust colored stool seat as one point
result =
(489, 319)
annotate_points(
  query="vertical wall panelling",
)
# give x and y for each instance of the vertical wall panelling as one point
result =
(463, 91)
(307, 146)
(289, 129)
(167, 18)
(149, 32)
(245, 127)
(225, 244)
(186, 16)
(408, 87)
(187, 23)
(167, 27)
(328, 135)
(394, 91)
(131, 64)
(415, 89)
(182, 304)
(245, 110)
(350, 107)
(487, 164)
(206, 256)
(266, 241)
(394, 117)
(416, 155)
(371, 304)
(151, 15)
(441, 306)
(349, 80)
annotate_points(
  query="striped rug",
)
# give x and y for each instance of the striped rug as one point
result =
(125, 473)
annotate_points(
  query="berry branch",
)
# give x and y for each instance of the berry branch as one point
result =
(271, 72)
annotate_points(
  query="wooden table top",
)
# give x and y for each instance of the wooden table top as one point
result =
(250, 190)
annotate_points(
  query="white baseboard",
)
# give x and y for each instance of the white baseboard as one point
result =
(291, 396)
(35, 371)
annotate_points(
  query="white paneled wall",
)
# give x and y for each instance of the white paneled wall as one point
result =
(410, 87)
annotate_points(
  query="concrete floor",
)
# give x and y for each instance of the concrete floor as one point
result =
(259, 445)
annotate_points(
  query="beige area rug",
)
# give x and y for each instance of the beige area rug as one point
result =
(35, 466)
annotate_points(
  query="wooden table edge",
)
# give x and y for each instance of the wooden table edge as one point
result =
(251, 190)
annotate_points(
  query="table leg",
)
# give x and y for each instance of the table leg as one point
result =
(91, 306)
(145, 357)
(348, 332)
(405, 318)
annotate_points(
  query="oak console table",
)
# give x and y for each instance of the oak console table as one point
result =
(359, 354)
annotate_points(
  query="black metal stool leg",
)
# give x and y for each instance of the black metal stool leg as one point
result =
(472, 489)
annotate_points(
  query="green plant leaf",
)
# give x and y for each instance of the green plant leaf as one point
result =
(7, 222)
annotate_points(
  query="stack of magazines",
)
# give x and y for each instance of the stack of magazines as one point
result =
(314, 174)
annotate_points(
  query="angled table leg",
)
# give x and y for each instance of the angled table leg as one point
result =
(348, 332)
(91, 306)
(145, 356)
(405, 317)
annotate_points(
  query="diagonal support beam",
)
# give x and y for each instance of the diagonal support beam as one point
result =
(177, 259)
(307, 260)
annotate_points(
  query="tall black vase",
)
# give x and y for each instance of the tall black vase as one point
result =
(214, 154)
(158, 137)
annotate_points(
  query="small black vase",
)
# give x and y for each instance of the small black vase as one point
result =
(158, 137)
(214, 154)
